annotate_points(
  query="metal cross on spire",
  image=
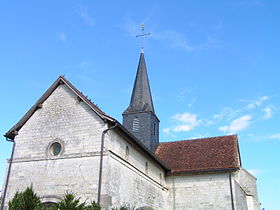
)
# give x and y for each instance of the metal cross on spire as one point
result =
(142, 36)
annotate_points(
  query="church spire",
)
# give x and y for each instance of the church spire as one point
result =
(140, 118)
(141, 98)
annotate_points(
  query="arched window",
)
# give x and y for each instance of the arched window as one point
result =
(127, 153)
(147, 168)
(154, 129)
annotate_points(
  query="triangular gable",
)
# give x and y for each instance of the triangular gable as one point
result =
(60, 80)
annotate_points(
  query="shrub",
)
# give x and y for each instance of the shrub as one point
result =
(69, 202)
(25, 200)
(93, 206)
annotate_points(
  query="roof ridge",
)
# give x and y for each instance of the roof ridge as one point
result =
(198, 139)
(63, 78)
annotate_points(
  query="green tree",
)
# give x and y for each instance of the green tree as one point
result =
(26, 200)
(69, 202)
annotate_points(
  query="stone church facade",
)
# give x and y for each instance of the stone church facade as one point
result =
(66, 143)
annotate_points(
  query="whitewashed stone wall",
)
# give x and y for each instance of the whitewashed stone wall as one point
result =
(246, 187)
(212, 191)
(137, 157)
(200, 192)
(76, 169)
(127, 177)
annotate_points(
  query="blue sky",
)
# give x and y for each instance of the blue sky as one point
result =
(213, 68)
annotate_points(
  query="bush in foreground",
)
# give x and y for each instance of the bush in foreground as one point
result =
(25, 200)
(28, 200)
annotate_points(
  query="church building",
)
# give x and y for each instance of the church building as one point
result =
(66, 143)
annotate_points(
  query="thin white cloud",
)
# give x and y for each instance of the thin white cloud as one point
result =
(170, 37)
(84, 65)
(237, 125)
(183, 123)
(62, 36)
(186, 117)
(83, 12)
(193, 101)
(131, 27)
(199, 136)
(83, 78)
(166, 130)
(258, 102)
(187, 121)
(227, 113)
(255, 172)
(183, 92)
(275, 136)
(173, 39)
(183, 128)
(268, 111)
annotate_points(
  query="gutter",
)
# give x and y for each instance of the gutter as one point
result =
(203, 171)
(173, 191)
(101, 161)
(8, 173)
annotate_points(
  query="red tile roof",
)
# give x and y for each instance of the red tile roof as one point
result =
(200, 155)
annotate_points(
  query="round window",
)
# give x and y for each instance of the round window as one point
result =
(55, 148)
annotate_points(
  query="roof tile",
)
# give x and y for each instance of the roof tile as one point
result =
(207, 154)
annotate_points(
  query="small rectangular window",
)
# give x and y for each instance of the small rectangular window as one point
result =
(127, 153)
(147, 168)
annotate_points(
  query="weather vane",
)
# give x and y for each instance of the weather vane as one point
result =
(142, 37)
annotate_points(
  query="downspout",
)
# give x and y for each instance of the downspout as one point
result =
(231, 193)
(173, 193)
(101, 161)
(8, 173)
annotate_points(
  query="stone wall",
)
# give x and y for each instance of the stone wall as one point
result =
(247, 183)
(240, 197)
(127, 185)
(200, 192)
(129, 181)
(52, 179)
(137, 157)
(65, 119)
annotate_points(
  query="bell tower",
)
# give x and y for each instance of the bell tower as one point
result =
(140, 118)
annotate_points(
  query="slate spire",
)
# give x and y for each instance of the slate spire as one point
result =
(140, 118)
(141, 98)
